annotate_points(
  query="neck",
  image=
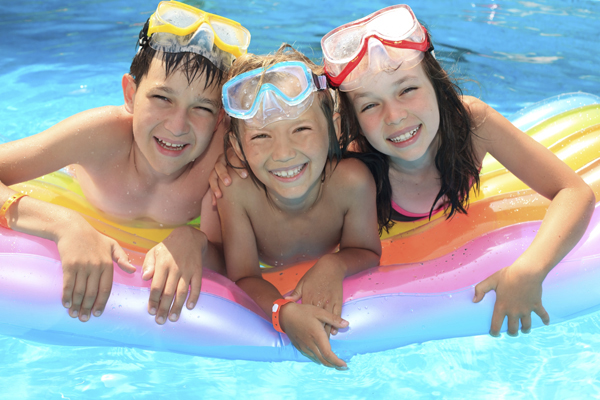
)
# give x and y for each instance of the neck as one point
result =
(148, 174)
(298, 205)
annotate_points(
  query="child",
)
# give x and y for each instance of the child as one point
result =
(302, 202)
(431, 141)
(143, 161)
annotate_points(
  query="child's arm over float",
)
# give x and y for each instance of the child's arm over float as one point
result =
(87, 256)
(519, 286)
(360, 246)
(302, 323)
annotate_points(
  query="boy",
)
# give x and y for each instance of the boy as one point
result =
(146, 160)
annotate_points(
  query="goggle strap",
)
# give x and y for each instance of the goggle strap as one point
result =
(320, 81)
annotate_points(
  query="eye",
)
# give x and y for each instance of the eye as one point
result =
(159, 97)
(302, 128)
(202, 108)
(407, 90)
(367, 107)
(259, 136)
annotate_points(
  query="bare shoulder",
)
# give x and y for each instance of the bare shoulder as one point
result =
(241, 191)
(351, 176)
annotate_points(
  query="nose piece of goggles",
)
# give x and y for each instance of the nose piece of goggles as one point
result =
(391, 38)
(176, 27)
(282, 91)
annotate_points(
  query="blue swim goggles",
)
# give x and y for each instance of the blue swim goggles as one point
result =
(282, 91)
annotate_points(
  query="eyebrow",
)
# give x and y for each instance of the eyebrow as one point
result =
(198, 99)
(397, 83)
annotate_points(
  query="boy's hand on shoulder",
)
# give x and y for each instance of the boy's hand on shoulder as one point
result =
(87, 261)
(321, 286)
(518, 293)
(174, 265)
(220, 175)
(304, 325)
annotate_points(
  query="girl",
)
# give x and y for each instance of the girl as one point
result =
(302, 202)
(430, 141)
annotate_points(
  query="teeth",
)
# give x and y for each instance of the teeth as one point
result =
(405, 136)
(289, 173)
(169, 146)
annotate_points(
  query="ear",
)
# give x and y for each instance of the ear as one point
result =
(129, 90)
(337, 124)
(220, 117)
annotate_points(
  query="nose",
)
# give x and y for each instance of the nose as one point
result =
(283, 149)
(177, 122)
(394, 114)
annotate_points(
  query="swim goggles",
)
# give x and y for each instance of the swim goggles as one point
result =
(392, 38)
(176, 27)
(282, 91)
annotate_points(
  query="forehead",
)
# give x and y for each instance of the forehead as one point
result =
(385, 81)
(177, 81)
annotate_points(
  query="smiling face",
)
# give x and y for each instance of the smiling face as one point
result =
(398, 114)
(173, 120)
(288, 156)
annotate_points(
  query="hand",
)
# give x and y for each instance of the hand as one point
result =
(174, 265)
(87, 261)
(322, 287)
(221, 172)
(518, 293)
(304, 325)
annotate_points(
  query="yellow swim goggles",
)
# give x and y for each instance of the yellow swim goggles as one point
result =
(176, 27)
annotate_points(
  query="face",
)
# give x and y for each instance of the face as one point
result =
(173, 121)
(288, 156)
(398, 114)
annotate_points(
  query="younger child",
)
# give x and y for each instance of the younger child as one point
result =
(302, 202)
(147, 160)
(431, 141)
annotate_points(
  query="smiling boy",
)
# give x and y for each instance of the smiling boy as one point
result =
(147, 160)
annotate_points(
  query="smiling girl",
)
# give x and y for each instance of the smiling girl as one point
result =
(303, 201)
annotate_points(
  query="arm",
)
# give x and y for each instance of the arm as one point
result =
(360, 247)
(221, 172)
(519, 286)
(175, 265)
(87, 256)
(302, 323)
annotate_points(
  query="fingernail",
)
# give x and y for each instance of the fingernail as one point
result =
(160, 320)
(227, 181)
(84, 317)
(345, 323)
(152, 311)
(67, 304)
(191, 305)
(173, 317)
(97, 313)
(244, 174)
(75, 312)
(343, 368)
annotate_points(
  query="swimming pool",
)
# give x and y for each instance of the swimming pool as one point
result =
(63, 57)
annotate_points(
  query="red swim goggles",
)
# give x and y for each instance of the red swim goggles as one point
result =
(392, 37)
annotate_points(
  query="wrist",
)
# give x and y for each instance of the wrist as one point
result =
(276, 313)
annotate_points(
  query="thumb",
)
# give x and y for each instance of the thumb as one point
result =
(296, 294)
(330, 318)
(122, 259)
(483, 287)
(148, 267)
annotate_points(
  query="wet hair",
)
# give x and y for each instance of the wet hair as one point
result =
(191, 64)
(455, 158)
(286, 52)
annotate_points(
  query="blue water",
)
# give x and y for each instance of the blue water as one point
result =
(62, 57)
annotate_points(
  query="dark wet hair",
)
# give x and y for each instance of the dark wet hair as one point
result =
(455, 158)
(191, 64)
(285, 52)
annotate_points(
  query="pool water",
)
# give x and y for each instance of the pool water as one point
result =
(62, 57)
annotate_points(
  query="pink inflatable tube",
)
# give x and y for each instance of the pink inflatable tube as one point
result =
(387, 307)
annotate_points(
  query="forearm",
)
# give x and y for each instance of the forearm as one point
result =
(212, 257)
(261, 291)
(353, 260)
(563, 226)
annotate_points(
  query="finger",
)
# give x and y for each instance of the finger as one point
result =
(526, 323)
(497, 320)
(89, 298)
(513, 326)
(156, 290)
(326, 356)
(149, 263)
(222, 173)
(213, 181)
(331, 319)
(541, 312)
(310, 355)
(78, 293)
(166, 299)
(181, 295)
(483, 287)
(104, 289)
(195, 287)
(68, 286)
(296, 293)
(120, 257)
(337, 310)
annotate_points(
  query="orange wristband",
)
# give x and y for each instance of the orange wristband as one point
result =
(277, 304)
(12, 199)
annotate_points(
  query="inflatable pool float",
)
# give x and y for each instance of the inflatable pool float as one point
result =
(422, 290)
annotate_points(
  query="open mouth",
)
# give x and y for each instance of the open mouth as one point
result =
(405, 136)
(289, 173)
(169, 146)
